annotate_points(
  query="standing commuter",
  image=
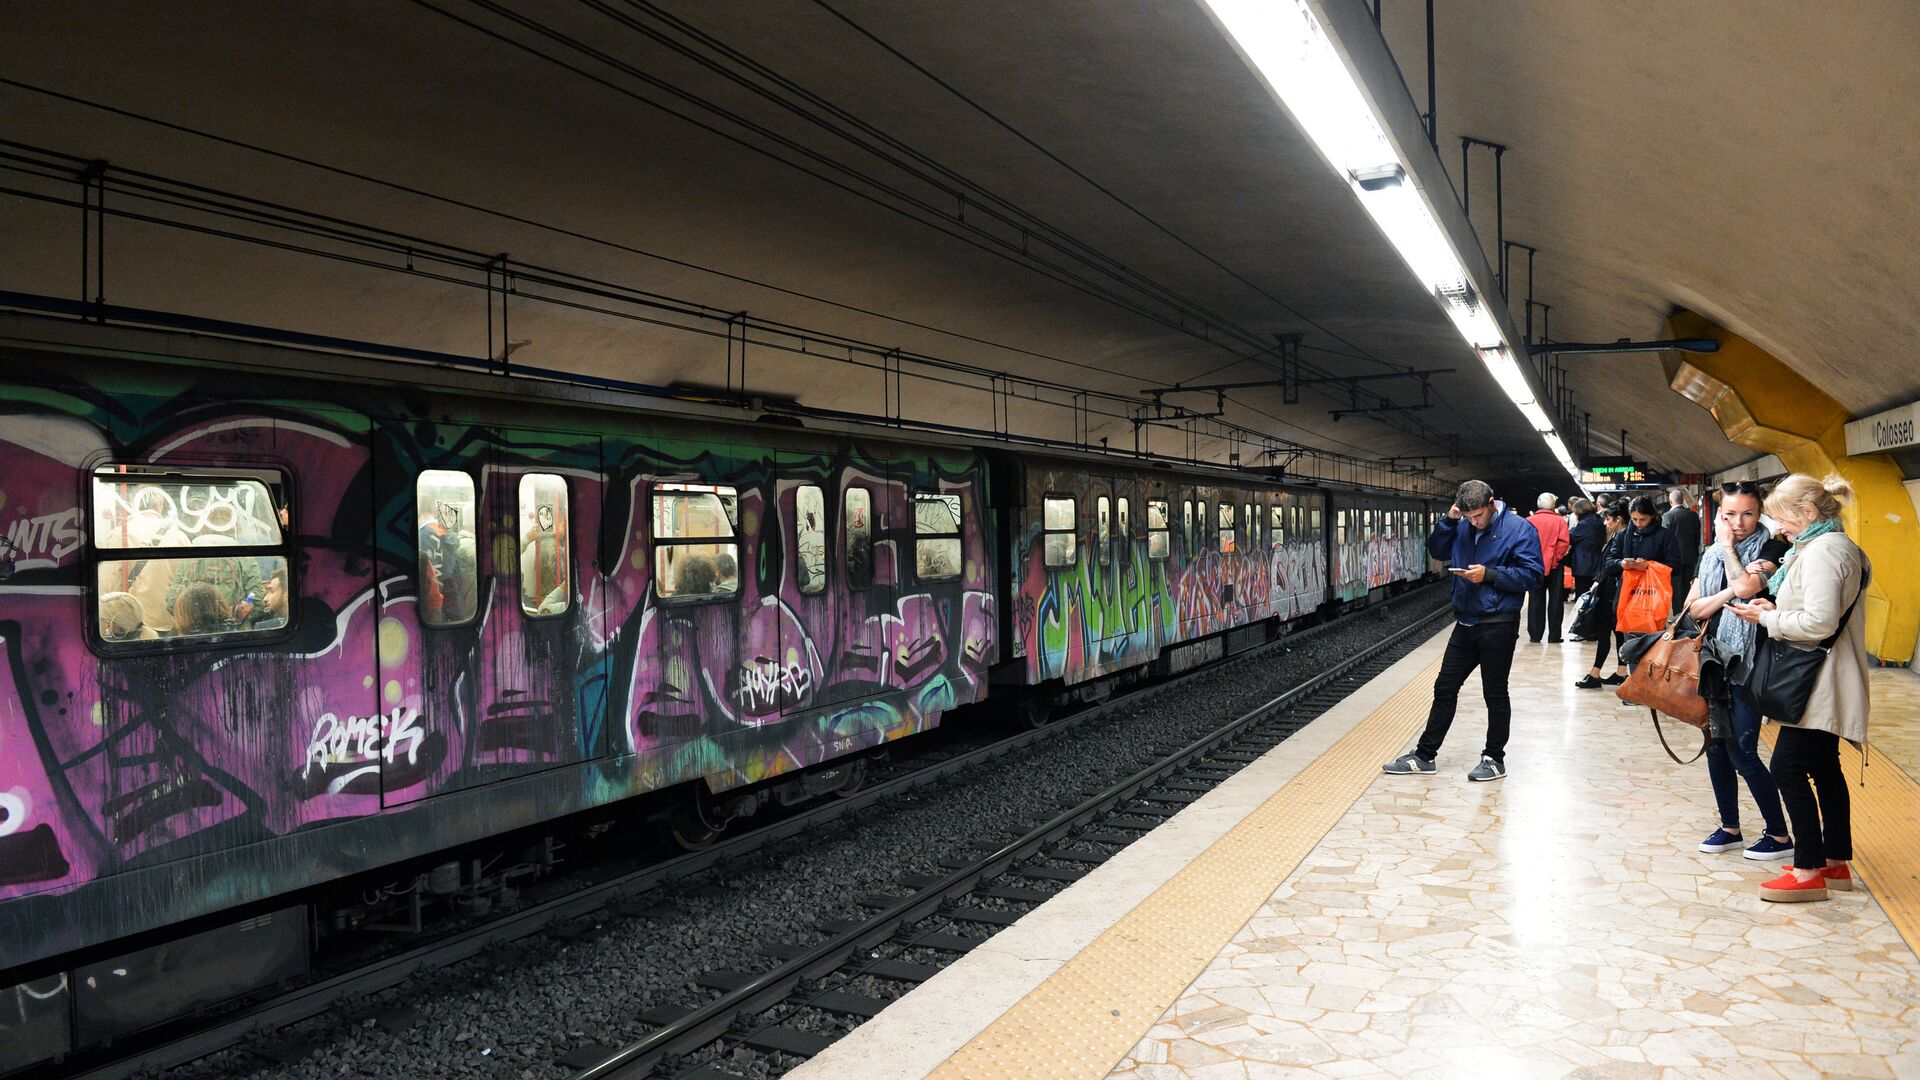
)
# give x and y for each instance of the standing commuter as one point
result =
(1644, 542)
(1684, 524)
(1494, 556)
(1585, 541)
(1608, 579)
(1546, 602)
(1735, 568)
(1818, 588)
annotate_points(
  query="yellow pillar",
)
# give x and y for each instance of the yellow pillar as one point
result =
(1760, 402)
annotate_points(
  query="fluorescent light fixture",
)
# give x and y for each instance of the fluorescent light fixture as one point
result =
(1506, 371)
(1286, 44)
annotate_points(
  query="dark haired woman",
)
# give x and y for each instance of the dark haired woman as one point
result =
(1614, 519)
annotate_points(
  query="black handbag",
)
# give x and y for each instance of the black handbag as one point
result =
(1783, 674)
(1589, 616)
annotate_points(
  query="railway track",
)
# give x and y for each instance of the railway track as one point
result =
(793, 1010)
(740, 995)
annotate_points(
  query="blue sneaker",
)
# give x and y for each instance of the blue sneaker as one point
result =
(1722, 840)
(1766, 848)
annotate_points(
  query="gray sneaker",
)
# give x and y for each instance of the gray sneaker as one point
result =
(1488, 769)
(1407, 764)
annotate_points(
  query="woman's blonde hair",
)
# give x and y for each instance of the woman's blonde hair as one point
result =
(1801, 497)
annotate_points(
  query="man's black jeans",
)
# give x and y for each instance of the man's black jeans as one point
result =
(1489, 647)
(1546, 604)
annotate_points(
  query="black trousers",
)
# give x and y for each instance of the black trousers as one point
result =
(1547, 603)
(1489, 647)
(1806, 763)
(1608, 639)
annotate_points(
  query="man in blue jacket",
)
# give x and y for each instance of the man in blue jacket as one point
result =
(1494, 556)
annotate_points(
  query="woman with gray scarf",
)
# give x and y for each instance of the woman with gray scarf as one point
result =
(1735, 568)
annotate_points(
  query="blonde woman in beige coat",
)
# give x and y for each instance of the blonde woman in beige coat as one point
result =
(1815, 590)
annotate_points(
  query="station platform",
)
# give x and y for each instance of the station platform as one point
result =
(1315, 917)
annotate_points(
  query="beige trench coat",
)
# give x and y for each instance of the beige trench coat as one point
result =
(1823, 579)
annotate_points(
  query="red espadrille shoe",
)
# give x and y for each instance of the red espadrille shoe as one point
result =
(1838, 878)
(1788, 889)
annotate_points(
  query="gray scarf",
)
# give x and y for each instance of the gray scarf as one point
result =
(1734, 635)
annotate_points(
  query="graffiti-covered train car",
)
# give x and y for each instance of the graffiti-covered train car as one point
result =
(262, 630)
(1379, 541)
(1114, 567)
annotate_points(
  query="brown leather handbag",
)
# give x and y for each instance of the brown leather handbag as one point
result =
(1667, 680)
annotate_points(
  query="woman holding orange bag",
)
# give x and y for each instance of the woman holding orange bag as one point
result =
(1643, 555)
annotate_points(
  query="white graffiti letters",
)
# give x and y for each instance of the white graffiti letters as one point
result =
(762, 683)
(360, 739)
(51, 537)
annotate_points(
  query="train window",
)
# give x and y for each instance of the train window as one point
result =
(1123, 524)
(1277, 527)
(695, 555)
(1200, 528)
(1252, 524)
(1340, 532)
(1226, 529)
(1159, 540)
(1059, 521)
(213, 553)
(1317, 520)
(545, 587)
(810, 538)
(856, 525)
(1186, 525)
(936, 536)
(1102, 529)
(449, 560)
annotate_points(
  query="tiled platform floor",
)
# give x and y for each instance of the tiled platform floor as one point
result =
(1557, 923)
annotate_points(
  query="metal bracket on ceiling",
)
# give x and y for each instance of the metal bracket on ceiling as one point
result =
(1623, 345)
(1356, 409)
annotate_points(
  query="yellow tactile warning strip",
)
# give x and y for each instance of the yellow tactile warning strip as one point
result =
(1886, 835)
(1088, 1014)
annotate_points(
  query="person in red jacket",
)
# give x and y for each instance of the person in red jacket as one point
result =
(1547, 602)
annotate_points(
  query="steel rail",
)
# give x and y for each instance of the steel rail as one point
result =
(708, 1024)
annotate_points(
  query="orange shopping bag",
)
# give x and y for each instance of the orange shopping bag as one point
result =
(1646, 599)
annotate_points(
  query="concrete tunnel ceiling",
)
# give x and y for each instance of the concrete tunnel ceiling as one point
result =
(1188, 176)
(1753, 163)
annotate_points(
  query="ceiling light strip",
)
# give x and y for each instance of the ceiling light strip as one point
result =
(1287, 45)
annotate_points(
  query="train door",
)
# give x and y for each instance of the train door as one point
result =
(428, 481)
(491, 647)
(867, 560)
(796, 617)
(541, 707)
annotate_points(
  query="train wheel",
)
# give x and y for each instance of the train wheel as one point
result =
(856, 779)
(690, 826)
(1037, 711)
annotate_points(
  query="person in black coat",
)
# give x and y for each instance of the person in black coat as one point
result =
(1587, 544)
(1644, 540)
(1608, 580)
(1684, 526)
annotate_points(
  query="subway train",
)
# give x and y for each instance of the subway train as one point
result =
(279, 631)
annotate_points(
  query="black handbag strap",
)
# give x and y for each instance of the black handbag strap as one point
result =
(1706, 737)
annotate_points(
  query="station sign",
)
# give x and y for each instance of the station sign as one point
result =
(1889, 430)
